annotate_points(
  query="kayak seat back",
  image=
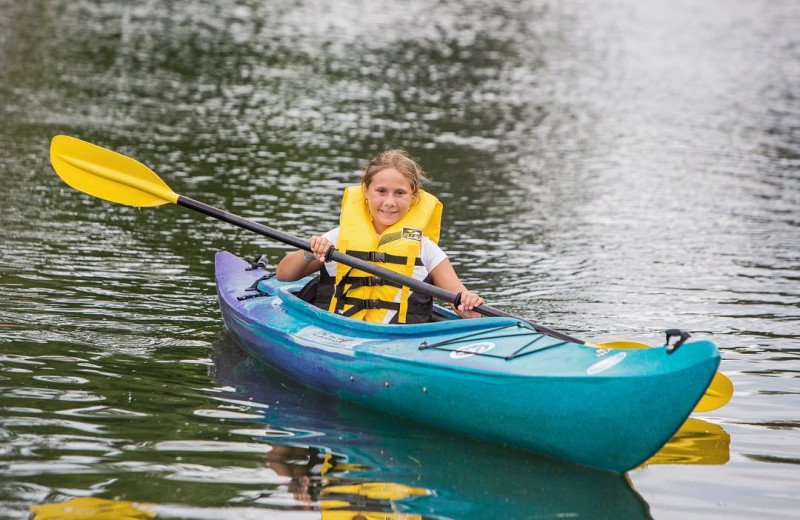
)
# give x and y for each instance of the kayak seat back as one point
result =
(309, 291)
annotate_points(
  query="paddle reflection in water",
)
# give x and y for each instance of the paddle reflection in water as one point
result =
(354, 461)
(697, 442)
(83, 508)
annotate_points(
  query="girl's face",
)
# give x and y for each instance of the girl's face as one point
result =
(388, 197)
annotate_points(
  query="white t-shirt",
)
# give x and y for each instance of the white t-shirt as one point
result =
(430, 254)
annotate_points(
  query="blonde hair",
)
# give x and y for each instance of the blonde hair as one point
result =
(400, 161)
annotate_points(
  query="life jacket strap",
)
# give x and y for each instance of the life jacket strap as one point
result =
(380, 256)
(420, 306)
(359, 305)
(355, 282)
(364, 281)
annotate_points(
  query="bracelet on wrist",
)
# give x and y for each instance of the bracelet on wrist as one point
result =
(308, 258)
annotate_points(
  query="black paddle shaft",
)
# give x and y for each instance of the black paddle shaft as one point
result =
(362, 265)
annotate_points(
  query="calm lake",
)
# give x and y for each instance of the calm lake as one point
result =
(608, 168)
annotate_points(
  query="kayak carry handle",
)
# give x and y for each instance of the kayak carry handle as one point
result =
(672, 333)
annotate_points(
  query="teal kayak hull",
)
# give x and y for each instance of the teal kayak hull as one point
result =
(491, 378)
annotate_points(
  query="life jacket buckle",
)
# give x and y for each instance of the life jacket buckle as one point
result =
(373, 281)
(377, 256)
(372, 304)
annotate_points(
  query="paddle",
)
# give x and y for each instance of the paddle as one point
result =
(117, 178)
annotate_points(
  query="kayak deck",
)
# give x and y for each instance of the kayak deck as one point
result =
(491, 378)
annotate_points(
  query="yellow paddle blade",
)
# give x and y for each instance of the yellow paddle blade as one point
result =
(107, 175)
(717, 394)
(623, 344)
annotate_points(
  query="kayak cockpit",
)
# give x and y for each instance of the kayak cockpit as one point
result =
(305, 289)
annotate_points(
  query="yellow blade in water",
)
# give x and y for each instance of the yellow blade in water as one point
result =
(717, 394)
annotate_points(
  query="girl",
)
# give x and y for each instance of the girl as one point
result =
(390, 221)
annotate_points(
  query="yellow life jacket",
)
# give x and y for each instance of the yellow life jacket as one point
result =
(360, 295)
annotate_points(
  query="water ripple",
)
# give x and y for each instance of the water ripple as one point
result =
(49, 393)
(102, 412)
(225, 414)
(213, 446)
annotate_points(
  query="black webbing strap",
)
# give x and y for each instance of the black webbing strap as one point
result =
(357, 281)
(359, 305)
(378, 256)
(362, 281)
(254, 287)
(258, 292)
(261, 262)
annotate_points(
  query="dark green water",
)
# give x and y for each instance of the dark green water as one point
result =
(609, 169)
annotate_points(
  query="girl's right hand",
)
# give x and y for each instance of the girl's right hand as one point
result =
(319, 248)
(469, 301)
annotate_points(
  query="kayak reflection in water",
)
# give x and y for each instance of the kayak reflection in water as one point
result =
(390, 221)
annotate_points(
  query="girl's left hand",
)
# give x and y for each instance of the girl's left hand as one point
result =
(469, 301)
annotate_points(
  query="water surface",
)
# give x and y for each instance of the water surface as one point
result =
(610, 169)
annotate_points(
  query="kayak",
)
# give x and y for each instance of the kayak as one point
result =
(495, 379)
